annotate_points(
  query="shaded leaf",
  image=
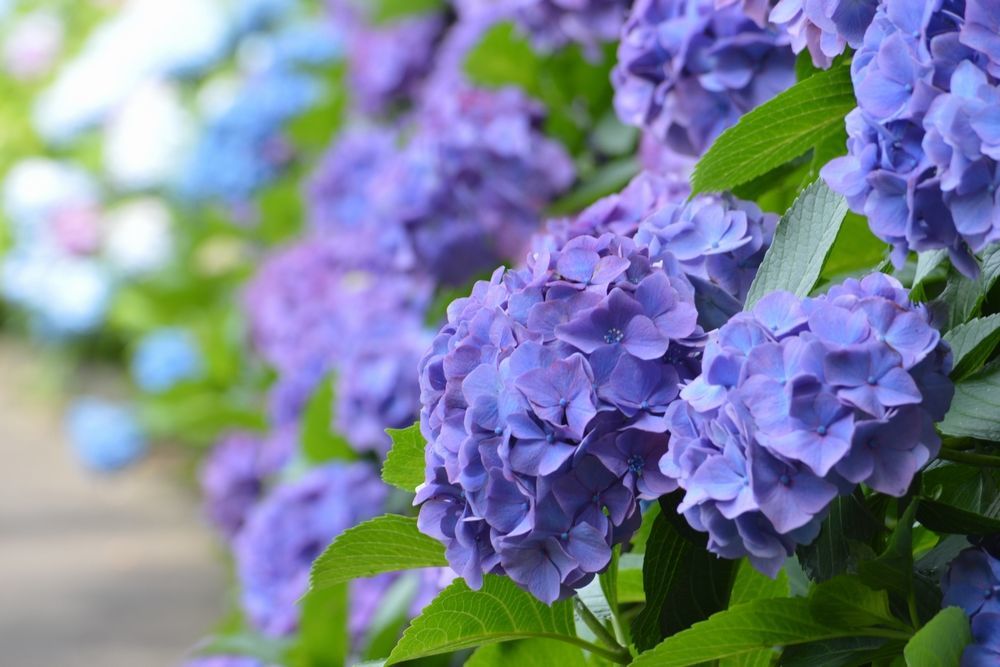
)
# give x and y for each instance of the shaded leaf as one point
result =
(975, 410)
(527, 653)
(972, 343)
(844, 535)
(845, 600)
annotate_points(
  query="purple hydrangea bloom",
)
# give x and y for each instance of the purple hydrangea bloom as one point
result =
(543, 402)
(555, 23)
(289, 529)
(222, 661)
(387, 62)
(923, 143)
(799, 400)
(972, 583)
(470, 186)
(687, 70)
(235, 474)
(824, 27)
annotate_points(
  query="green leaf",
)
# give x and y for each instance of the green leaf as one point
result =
(641, 537)
(963, 297)
(893, 569)
(975, 410)
(607, 179)
(461, 618)
(404, 466)
(388, 543)
(960, 500)
(844, 652)
(927, 262)
(763, 624)
(319, 443)
(609, 580)
(845, 600)
(751, 585)
(855, 251)
(266, 649)
(387, 11)
(519, 65)
(972, 343)
(944, 518)
(322, 638)
(527, 653)
(684, 583)
(843, 537)
(778, 131)
(801, 243)
(630, 578)
(940, 643)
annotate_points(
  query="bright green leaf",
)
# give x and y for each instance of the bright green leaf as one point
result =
(940, 643)
(319, 443)
(975, 410)
(527, 653)
(630, 578)
(322, 638)
(388, 543)
(404, 466)
(461, 618)
(972, 343)
(801, 243)
(778, 131)
(518, 66)
(387, 11)
(751, 585)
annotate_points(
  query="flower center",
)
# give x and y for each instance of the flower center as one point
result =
(563, 402)
(821, 430)
(872, 444)
(550, 438)
(636, 464)
(785, 480)
(872, 380)
(614, 335)
(498, 431)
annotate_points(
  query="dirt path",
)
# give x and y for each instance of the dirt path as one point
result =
(94, 572)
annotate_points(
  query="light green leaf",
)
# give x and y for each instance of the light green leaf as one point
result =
(972, 343)
(319, 442)
(387, 11)
(461, 618)
(855, 251)
(926, 263)
(607, 179)
(778, 131)
(751, 585)
(975, 410)
(265, 649)
(630, 578)
(801, 243)
(940, 643)
(322, 637)
(519, 65)
(527, 653)
(845, 600)
(746, 628)
(404, 466)
(388, 543)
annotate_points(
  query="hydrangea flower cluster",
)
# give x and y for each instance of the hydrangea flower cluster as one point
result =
(553, 24)
(687, 70)
(799, 401)
(165, 358)
(289, 529)
(386, 63)
(923, 143)
(105, 436)
(235, 475)
(972, 582)
(543, 402)
(470, 186)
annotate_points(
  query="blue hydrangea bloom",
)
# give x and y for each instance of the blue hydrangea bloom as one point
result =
(105, 436)
(235, 474)
(553, 24)
(798, 401)
(165, 358)
(289, 529)
(687, 70)
(972, 583)
(543, 407)
(923, 143)
(825, 27)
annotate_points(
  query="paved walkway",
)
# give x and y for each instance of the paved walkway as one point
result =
(94, 572)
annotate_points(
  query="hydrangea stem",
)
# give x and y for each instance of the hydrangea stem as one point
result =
(970, 458)
(621, 653)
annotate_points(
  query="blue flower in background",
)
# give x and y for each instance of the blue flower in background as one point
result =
(165, 358)
(972, 583)
(106, 436)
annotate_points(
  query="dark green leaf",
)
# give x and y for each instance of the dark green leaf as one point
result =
(801, 243)
(893, 569)
(778, 131)
(388, 543)
(963, 298)
(975, 410)
(940, 643)
(319, 443)
(763, 624)
(684, 583)
(845, 652)
(972, 343)
(960, 499)
(855, 251)
(527, 653)
(845, 600)
(844, 536)
(462, 618)
(947, 519)
(404, 466)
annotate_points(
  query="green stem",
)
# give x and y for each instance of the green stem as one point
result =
(619, 655)
(911, 604)
(958, 456)
(595, 625)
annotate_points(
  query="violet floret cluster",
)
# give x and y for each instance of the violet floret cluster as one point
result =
(923, 142)
(288, 530)
(688, 70)
(825, 27)
(543, 407)
(798, 401)
(972, 582)
(555, 23)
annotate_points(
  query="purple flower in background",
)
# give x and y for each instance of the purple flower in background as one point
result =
(289, 529)
(386, 62)
(222, 661)
(688, 70)
(470, 186)
(235, 475)
(555, 23)
(972, 583)
(923, 144)
(367, 596)
(800, 400)
(543, 407)
(825, 27)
